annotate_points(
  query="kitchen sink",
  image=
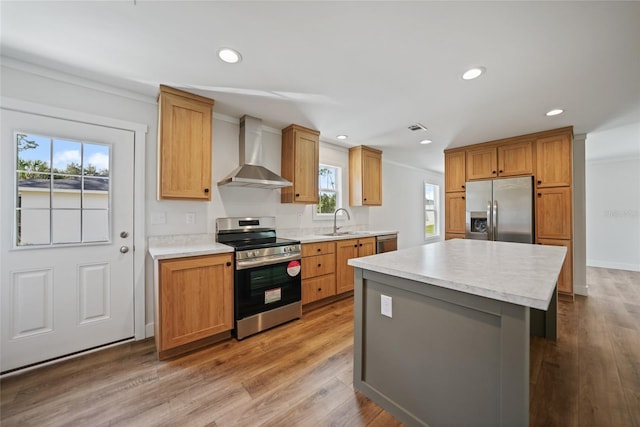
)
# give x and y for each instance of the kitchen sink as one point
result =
(345, 233)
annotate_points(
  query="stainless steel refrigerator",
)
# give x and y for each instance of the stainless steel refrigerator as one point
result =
(500, 209)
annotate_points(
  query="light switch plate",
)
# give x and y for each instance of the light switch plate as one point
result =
(385, 306)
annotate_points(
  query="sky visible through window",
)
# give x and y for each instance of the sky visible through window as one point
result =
(66, 152)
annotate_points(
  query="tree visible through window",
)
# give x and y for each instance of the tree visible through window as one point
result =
(431, 210)
(328, 189)
(62, 191)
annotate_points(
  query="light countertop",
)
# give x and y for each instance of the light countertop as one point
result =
(180, 246)
(518, 273)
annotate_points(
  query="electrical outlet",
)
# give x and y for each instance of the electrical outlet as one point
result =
(190, 218)
(386, 306)
(158, 218)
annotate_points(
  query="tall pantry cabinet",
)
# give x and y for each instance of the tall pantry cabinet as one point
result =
(547, 157)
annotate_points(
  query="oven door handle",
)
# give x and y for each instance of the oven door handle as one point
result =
(268, 260)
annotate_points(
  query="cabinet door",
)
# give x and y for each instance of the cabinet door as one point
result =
(553, 161)
(299, 164)
(553, 213)
(515, 159)
(195, 299)
(318, 265)
(454, 213)
(318, 288)
(565, 281)
(482, 163)
(185, 146)
(345, 250)
(366, 246)
(371, 178)
(454, 171)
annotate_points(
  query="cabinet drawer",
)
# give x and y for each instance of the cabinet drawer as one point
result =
(318, 265)
(310, 249)
(318, 288)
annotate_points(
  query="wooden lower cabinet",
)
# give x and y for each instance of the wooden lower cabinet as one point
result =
(318, 271)
(565, 280)
(194, 299)
(448, 236)
(345, 250)
(318, 288)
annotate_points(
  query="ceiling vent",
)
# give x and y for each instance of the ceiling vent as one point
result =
(417, 127)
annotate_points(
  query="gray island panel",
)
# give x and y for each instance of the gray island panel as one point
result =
(447, 356)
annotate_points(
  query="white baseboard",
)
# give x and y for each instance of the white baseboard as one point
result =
(613, 265)
(149, 330)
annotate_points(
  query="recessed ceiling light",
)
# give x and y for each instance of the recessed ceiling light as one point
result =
(426, 141)
(342, 137)
(555, 112)
(229, 55)
(473, 73)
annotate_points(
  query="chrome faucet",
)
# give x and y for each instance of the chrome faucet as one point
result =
(335, 217)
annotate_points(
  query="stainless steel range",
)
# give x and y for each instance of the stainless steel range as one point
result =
(267, 282)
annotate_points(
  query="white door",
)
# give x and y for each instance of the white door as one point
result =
(66, 214)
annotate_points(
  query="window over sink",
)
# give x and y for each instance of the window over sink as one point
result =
(329, 192)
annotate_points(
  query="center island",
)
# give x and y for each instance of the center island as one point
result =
(441, 333)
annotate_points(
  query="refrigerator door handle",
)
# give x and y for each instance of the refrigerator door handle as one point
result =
(495, 220)
(489, 222)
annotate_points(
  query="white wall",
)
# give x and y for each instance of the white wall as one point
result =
(402, 209)
(403, 203)
(613, 198)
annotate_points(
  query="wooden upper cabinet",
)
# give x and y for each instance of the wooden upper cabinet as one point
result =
(454, 171)
(365, 176)
(300, 163)
(554, 160)
(184, 145)
(501, 160)
(482, 163)
(554, 213)
(515, 159)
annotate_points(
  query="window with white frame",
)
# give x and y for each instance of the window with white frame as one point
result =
(431, 210)
(329, 190)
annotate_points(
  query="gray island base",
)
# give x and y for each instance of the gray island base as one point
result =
(452, 347)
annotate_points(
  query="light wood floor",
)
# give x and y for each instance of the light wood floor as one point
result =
(300, 374)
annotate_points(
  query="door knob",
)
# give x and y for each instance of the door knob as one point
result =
(124, 234)
(124, 249)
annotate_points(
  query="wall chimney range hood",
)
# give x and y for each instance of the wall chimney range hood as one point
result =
(250, 173)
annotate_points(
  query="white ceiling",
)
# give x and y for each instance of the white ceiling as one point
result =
(365, 69)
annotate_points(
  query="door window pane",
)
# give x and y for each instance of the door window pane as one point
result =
(62, 192)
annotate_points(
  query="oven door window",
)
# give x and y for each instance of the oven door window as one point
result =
(264, 288)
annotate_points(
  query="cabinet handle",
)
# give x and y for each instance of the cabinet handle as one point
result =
(539, 182)
(360, 244)
(206, 190)
(319, 289)
(462, 197)
(539, 194)
(319, 265)
(297, 194)
(228, 264)
(319, 249)
(493, 172)
(355, 246)
(462, 186)
(500, 171)
(365, 199)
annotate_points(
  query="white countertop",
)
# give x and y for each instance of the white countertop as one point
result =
(518, 273)
(184, 246)
(314, 238)
(180, 246)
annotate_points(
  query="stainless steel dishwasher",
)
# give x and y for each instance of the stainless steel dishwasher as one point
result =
(386, 243)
